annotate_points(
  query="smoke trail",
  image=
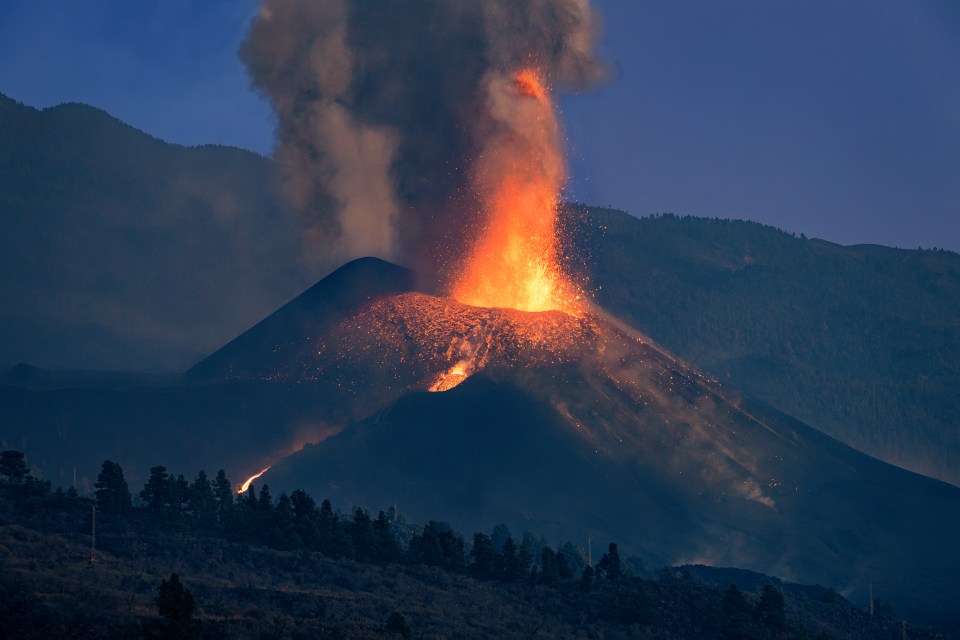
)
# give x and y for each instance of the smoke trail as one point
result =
(384, 107)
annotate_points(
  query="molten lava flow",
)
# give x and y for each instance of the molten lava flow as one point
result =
(514, 263)
(453, 376)
(246, 485)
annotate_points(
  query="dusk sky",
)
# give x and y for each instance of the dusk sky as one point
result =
(840, 120)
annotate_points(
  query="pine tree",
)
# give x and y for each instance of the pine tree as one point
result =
(156, 492)
(180, 494)
(769, 610)
(387, 549)
(361, 535)
(734, 623)
(113, 493)
(249, 498)
(203, 501)
(13, 466)
(500, 534)
(573, 557)
(507, 561)
(613, 569)
(341, 545)
(223, 493)
(284, 534)
(563, 567)
(438, 545)
(325, 523)
(549, 569)
(586, 578)
(524, 557)
(176, 605)
(484, 557)
(306, 517)
(265, 503)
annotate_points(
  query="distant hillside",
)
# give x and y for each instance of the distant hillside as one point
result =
(862, 342)
(120, 251)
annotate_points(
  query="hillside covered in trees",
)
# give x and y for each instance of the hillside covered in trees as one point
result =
(862, 342)
(193, 559)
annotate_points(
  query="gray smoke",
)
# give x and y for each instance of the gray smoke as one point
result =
(382, 109)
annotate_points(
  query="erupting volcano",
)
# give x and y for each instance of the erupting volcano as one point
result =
(513, 270)
(511, 397)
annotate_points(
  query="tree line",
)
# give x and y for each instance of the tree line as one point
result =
(295, 521)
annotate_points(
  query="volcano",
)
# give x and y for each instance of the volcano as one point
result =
(575, 426)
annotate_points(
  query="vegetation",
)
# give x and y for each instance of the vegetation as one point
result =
(861, 342)
(192, 562)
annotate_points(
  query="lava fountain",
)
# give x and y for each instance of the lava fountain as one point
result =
(518, 177)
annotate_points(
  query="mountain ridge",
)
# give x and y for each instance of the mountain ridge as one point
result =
(120, 249)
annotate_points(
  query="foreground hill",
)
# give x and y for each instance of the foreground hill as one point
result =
(243, 587)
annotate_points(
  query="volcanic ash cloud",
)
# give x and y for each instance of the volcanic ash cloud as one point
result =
(386, 124)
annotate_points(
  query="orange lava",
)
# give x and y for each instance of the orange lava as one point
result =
(514, 263)
(437, 343)
(246, 485)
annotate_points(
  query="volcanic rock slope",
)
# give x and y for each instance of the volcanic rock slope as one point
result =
(577, 427)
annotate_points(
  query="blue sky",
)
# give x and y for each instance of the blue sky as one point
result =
(838, 119)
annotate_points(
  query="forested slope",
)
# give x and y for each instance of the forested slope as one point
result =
(862, 342)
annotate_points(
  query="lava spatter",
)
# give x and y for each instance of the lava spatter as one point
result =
(442, 342)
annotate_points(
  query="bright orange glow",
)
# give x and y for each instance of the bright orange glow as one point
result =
(530, 84)
(246, 485)
(514, 263)
(423, 341)
(453, 376)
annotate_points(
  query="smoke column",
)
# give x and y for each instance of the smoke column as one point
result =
(386, 110)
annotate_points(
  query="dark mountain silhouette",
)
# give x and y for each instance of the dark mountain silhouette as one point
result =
(120, 251)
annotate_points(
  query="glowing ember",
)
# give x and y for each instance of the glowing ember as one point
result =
(249, 481)
(518, 178)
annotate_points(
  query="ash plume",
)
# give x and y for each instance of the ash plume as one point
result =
(383, 109)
